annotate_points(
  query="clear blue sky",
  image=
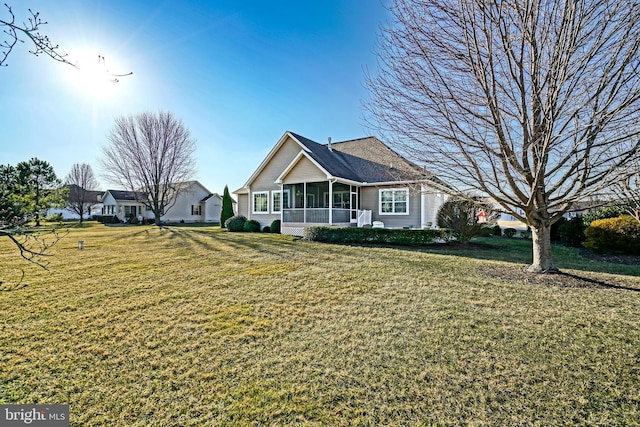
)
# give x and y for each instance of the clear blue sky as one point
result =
(239, 73)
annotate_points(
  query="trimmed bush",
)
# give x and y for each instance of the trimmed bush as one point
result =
(509, 232)
(134, 220)
(252, 226)
(572, 232)
(275, 226)
(374, 235)
(497, 231)
(105, 219)
(266, 229)
(227, 207)
(485, 231)
(235, 223)
(603, 213)
(615, 235)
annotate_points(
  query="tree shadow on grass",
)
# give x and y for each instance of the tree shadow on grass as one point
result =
(519, 252)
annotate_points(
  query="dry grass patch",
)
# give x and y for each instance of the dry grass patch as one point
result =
(194, 326)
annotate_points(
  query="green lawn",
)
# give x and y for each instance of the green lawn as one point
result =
(197, 326)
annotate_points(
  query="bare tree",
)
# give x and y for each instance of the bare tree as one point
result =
(81, 181)
(520, 101)
(150, 154)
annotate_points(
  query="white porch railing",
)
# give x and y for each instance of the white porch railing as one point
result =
(364, 217)
(316, 215)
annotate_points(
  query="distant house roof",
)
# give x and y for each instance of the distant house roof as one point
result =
(90, 195)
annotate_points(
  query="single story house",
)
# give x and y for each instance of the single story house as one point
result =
(92, 204)
(350, 183)
(193, 203)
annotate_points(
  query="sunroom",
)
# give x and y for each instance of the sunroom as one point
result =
(325, 202)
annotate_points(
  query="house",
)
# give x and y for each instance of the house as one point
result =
(193, 203)
(92, 203)
(124, 204)
(350, 183)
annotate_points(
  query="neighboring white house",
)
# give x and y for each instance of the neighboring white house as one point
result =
(92, 205)
(193, 203)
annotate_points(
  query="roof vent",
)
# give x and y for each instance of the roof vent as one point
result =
(329, 144)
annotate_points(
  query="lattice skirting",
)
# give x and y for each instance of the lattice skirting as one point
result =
(293, 230)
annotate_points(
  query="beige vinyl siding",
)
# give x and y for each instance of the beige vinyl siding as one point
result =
(369, 199)
(272, 170)
(243, 205)
(265, 219)
(304, 171)
(432, 203)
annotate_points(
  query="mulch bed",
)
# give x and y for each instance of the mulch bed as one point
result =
(616, 259)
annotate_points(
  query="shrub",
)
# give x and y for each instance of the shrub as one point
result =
(252, 226)
(509, 232)
(485, 231)
(374, 235)
(266, 229)
(525, 234)
(572, 232)
(235, 223)
(461, 217)
(134, 220)
(497, 231)
(275, 226)
(57, 217)
(604, 212)
(618, 235)
(555, 229)
(106, 219)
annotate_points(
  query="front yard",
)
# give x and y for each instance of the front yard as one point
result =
(196, 326)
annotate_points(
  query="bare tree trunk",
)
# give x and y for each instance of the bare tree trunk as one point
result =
(542, 257)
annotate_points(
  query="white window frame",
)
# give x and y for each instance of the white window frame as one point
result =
(273, 201)
(253, 202)
(393, 202)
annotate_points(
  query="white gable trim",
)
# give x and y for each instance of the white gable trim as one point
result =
(295, 161)
(272, 153)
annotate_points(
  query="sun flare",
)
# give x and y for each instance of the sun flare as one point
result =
(92, 77)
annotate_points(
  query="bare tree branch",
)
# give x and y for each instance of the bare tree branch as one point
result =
(30, 29)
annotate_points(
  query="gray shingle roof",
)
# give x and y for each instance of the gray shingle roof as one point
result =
(363, 160)
(128, 195)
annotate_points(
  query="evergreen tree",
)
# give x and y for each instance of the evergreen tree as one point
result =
(38, 187)
(227, 207)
